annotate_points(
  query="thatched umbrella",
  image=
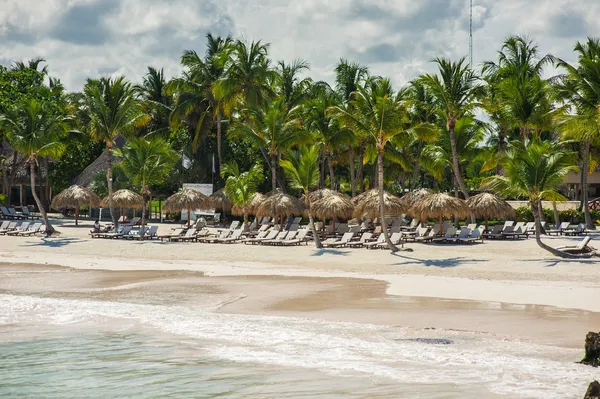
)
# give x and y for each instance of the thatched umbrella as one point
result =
(280, 205)
(186, 199)
(367, 205)
(316, 195)
(439, 205)
(74, 197)
(256, 202)
(415, 196)
(486, 205)
(125, 199)
(334, 205)
(220, 200)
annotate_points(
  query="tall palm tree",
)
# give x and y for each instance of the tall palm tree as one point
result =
(240, 187)
(534, 170)
(378, 113)
(456, 91)
(146, 161)
(301, 169)
(155, 100)
(34, 64)
(35, 130)
(348, 77)
(289, 85)
(273, 128)
(112, 110)
(579, 87)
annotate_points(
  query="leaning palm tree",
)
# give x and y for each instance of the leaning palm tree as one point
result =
(112, 110)
(301, 169)
(456, 90)
(35, 130)
(241, 187)
(377, 113)
(533, 170)
(146, 162)
(579, 88)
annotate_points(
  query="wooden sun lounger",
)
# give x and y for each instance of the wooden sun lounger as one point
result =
(341, 242)
(190, 235)
(270, 236)
(300, 239)
(23, 227)
(176, 233)
(366, 237)
(580, 248)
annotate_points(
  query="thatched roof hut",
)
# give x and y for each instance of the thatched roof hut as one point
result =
(280, 205)
(488, 205)
(220, 201)
(439, 205)
(73, 198)
(367, 205)
(99, 165)
(332, 205)
(186, 199)
(125, 199)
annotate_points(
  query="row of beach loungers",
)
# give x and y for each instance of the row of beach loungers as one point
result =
(12, 214)
(24, 228)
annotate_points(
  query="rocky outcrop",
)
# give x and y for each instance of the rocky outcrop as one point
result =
(593, 391)
(592, 349)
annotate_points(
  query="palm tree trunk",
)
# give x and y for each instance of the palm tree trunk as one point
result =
(311, 223)
(109, 180)
(417, 167)
(352, 176)
(538, 231)
(273, 171)
(246, 226)
(11, 178)
(49, 228)
(219, 157)
(77, 216)
(143, 227)
(556, 214)
(331, 174)
(360, 171)
(321, 170)
(456, 167)
(384, 229)
(501, 146)
(584, 185)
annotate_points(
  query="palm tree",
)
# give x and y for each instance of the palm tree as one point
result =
(348, 77)
(155, 100)
(34, 64)
(240, 187)
(273, 128)
(35, 130)
(579, 87)
(301, 169)
(112, 110)
(533, 170)
(456, 90)
(146, 161)
(378, 113)
(289, 86)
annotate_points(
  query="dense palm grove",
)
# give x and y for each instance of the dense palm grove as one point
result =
(240, 117)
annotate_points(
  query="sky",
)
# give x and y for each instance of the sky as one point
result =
(395, 38)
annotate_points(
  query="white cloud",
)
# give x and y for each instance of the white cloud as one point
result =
(396, 38)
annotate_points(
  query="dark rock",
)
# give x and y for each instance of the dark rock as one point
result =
(593, 391)
(592, 349)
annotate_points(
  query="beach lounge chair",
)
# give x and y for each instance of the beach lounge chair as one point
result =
(475, 236)
(189, 235)
(575, 230)
(581, 248)
(290, 236)
(299, 239)
(176, 233)
(4, 225)
(23, 227)
(472, 226)
(341, 242)
(28, 214)
(395, 238)
(15, 214)
(558, 230)
(449, 235)
(222, 234)
(134, 234)
(496, 232)
(520, 225)
(120, 232)
(280, 237)
(529, 228)
(428, 236)
(5, 213)
(151, 233)
(270, 236)
(463, 234)
(509, 223)
(373, 244)
(234, 237)
(33, 229)
(364, 238)
(133, 222)
(11, 226)
(260, 235)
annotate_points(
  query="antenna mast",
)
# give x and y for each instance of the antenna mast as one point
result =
(471, 34)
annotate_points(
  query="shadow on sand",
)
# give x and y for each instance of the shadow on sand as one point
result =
(323, 251)
(53, 242)
(441, 263)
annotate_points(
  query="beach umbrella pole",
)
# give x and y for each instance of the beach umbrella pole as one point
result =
(76, 216)
(441, 223)
(189, 217)
(486, 224)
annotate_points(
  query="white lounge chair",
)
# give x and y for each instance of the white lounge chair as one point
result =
(581, 248)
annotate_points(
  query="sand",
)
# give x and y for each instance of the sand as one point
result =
(510, 288)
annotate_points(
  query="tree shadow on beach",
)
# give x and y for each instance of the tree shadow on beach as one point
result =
(53, 242)
(323, 251)
(441, 263)
(550, 262)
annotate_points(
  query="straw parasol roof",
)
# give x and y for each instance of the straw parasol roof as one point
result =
(279, 204)
(333, 205)
(317, 195)
(367, 205)
(415, 196)
(257, 200)
(486, 205)
(74, 197)
(439, 205)
(220, 200)
(125, 199)
(186, 199)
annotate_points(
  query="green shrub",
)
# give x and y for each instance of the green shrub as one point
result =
(3, 199)
(524, 214)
